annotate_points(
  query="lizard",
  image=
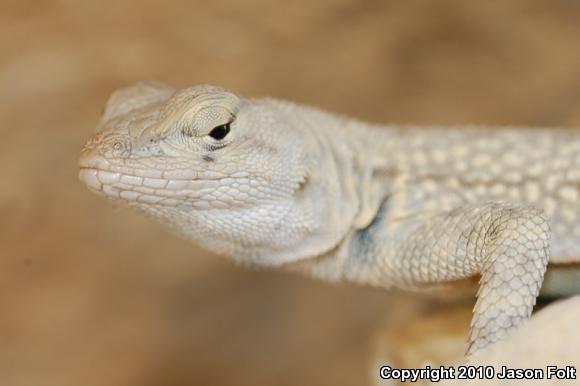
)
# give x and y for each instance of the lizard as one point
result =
(275, 184)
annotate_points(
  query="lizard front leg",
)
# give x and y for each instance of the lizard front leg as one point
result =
(506, 244)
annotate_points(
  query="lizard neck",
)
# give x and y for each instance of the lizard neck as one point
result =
(346, 180)
(372, 170)
(350, 174)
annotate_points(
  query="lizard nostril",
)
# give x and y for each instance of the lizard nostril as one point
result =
(117, 148)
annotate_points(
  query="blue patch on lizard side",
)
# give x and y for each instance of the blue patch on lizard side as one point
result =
(363, 240)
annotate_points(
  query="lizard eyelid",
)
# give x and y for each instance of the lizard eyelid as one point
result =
(187, 132)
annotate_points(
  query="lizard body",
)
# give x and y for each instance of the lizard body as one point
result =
(276, 184)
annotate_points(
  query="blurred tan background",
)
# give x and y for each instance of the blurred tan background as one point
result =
(91, 294)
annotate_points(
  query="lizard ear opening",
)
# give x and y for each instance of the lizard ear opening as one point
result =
(134, 97)
(302, 190)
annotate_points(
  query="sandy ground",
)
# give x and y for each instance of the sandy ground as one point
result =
(97, 295)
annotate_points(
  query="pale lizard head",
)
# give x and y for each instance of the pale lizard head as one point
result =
(228, 172)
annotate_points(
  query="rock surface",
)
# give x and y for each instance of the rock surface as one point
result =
(437, 338)
(550, 338)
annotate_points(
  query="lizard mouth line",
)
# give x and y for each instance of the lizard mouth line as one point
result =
(138, 173)
(134, 188)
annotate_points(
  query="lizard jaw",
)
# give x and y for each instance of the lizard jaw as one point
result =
(121, 182)
(134, 185)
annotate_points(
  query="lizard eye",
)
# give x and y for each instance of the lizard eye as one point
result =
(219, 132)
